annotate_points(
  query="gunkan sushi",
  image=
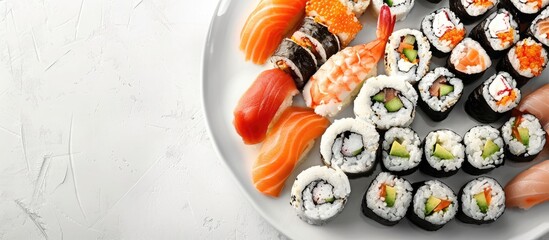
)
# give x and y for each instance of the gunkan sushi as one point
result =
(434, 204)
(492, 99)
(468, 60)
(524, 137)
(340, 18)
(439, 92)
(401, 151)
(407, 53)
(443, 153)
(387, 199)
(295, 60)
(443, 30)
(482, 200)
(351, 145)
(471, 10)
(484, 150)
(319, 194)
(526, 60)
(497, 33)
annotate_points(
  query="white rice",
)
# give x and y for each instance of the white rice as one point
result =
(427, 25)
(376, 113)
(439, 190)
(460, 51)
(540, 36)
(512, 56)
(378, 205)
(469, 203)
(536, 140)
(331, 145)
(497, 22)
(474, 10)
(312, 189)
(400, 8)
(490, 88)
(407, 138)
(529, 7)
(475, 139)
(357, 6)
(395, 65)
(444, 103)
(451, 141)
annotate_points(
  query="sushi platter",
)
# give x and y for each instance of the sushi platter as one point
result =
(415, 119)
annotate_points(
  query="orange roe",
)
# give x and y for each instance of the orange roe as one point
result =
(484, 3)
(335, 15)
(538, 3)
(509, 98)
(506, 37)
(530, 57)
(454, 36)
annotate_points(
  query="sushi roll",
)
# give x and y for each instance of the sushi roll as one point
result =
(433, 205)
(443, 153)
(524, 10)
(337, 16)
(387, 102)
(295, 60)
(471, 10)
(351, 145)
(387, 199)
(319, 194)
(539, 28)
(524, 61)
(524, 137)
(468, 60)
(497, 33)
(316, 37)
(484, 150)
(399, 8)
(357, 6)
(439, 92)
(444, 31)
(401, 151)
(492, 99)
(482, 200)
(407, 53)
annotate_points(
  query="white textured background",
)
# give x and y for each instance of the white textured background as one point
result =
(102, 135)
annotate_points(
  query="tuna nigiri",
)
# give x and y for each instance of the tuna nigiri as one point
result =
(290, 139)
(266, 98)
(267, 25)
(529, 188)
(536, 104)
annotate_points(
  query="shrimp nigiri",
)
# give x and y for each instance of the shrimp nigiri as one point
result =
(332, 87)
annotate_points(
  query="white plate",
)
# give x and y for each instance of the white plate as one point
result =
(226, 76)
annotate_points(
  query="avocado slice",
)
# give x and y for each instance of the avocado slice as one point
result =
(394, 105)
(524, 134)
(398, 150)
(411, 54)
(409, 39)
(442, 153)
(489, 148)
(445, 89)
(358, 151)
(330, 200)
(481, 202)
(380, 97)
(390, 195)
(389, 2)
(431, 204)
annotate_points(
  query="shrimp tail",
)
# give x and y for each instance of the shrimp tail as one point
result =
(385, 23)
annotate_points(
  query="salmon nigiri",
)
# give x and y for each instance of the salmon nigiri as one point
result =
(267, 25)
(536, 104)
(529, 188)
(267, 98)
(290, 139)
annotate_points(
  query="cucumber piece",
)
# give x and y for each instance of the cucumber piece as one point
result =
(481, 202)
(380, 97)
(389, 2)
(390, 196)
(394, 105)
(445, 89)
(398, 150)
(330, 200)
(442, 153)
(524, 134)
(409, 39)
(431, 204)
(489, 148)
(411, 54)
(358, 151)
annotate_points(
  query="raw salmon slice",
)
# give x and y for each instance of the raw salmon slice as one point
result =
(289, 140)
(472, 59)
(529, 188)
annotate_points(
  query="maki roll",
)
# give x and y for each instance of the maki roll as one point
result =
(443, 30)
(407, 53)
(439, 92)
(337, 16)
(433, 205)
(295, 60)
(319, 194)
(387, 102)
(399, 8)
(524, 10)
(524, 137)
(484, 150)
(401, 153)
(492, 99)
(468, 60)
(539, 29)
(316, 37)
(482, 201)
(471, 10)
(524, 61)
(443, 153)
(357, 6)
(387, 199)
(497, 33)
(350, 145)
